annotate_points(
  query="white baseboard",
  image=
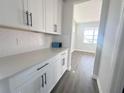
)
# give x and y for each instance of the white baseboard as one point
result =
(69, 68)
(99, 85)
(94, 52)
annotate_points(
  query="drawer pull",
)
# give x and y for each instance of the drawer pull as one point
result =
(45, 78)
(63, 61)
(42, 81)
(42, 66)
(27, 17)
(30, 18)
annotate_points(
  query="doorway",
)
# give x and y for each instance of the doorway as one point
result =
(86, 20)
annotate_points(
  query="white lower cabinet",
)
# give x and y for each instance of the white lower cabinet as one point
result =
(34, 85)
(64, 58)
(36, 82)
(56, 65)
(59, 66)
(41, 78)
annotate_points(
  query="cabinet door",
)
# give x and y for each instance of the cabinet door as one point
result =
(45, 73)
(57, 69)
(36, 14)
(55, 12)
(31, 86)
(59, 16)
(64, 63)
(49, 75)
(12, 13)
(54, 71)
(49, 12)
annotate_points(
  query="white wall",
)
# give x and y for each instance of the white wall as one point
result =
(108, 54)
(73, 37)
(15, 41)
(87, 11)
(118, 77)
(100, 41)
(79, 44)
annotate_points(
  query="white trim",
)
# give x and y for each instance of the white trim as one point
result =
(69, 68)
(72, 50)
(94, 52)
(99, 85)
(94, 77)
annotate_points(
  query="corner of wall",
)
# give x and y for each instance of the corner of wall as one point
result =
(99, 85)
(94, 77)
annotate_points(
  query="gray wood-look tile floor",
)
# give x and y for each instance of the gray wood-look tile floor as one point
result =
(79, 79)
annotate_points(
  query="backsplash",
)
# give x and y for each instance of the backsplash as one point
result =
(14, 42)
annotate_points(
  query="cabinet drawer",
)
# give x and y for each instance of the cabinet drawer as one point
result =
(37, 83)
(22, 77)
(64, 61)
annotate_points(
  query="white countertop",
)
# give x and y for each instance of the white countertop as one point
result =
(13, 64)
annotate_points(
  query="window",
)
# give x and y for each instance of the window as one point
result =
(90, 35)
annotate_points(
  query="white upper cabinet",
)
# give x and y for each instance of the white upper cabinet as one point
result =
(23, 14)
(34, 15)
(53, 16)
(12, 13)
(59, 16)
(49, 8)
(36, 10)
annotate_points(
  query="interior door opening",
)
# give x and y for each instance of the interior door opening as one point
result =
(86, 20)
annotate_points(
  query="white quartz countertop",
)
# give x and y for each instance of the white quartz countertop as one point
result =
(13, 64)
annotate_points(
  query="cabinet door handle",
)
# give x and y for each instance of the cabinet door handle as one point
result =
(27, 17)
(42, 66)
(42, 81)
(63, 61)
(31, 19)
(45, 78)
(55, 28)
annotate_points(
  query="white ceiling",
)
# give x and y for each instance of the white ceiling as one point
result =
(88, 11)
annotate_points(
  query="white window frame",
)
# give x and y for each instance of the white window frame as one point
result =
(93, 35)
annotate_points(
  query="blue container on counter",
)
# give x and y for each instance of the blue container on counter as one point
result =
(56, 44)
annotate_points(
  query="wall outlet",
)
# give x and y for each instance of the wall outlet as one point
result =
(17, 41)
